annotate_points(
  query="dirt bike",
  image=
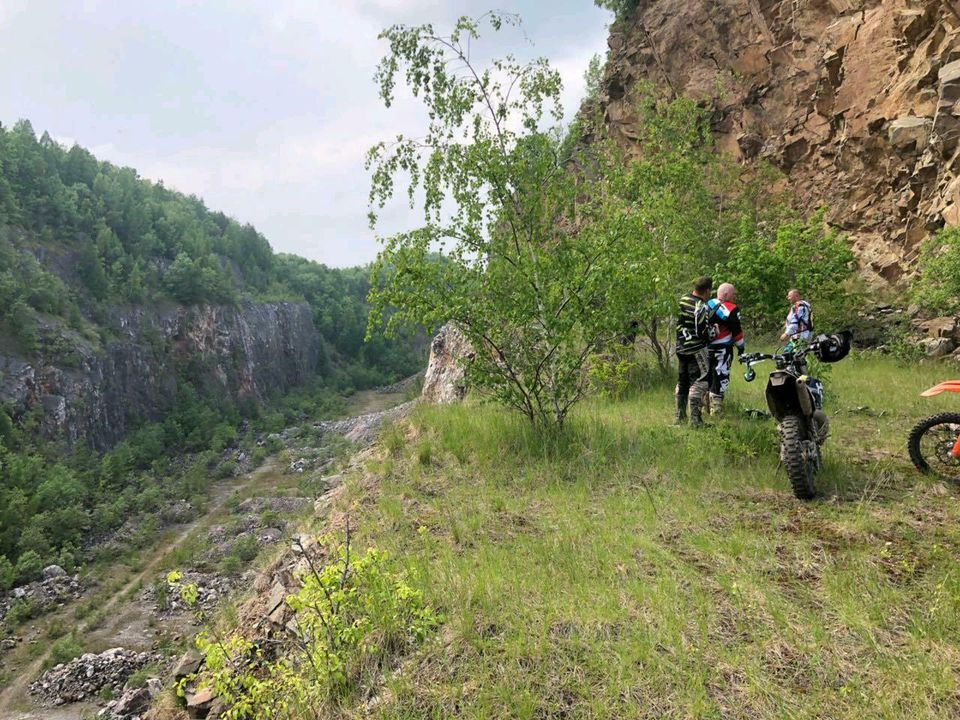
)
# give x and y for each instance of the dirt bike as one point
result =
(934, 442)
(796, 402)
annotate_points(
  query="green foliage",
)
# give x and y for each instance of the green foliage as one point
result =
(122, 239)
(65, 649)
(621, 9)
(620, 371)
(350, 616)
(523, 255)
(7, 574)
(246, 549)
(29, 567)
(937, 288)
(21, 610)
(767, 258)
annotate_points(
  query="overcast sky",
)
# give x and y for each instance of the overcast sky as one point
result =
(263, 108)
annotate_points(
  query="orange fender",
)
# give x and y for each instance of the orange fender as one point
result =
(948, 386)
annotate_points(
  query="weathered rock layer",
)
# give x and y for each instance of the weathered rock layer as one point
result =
(857, 101)
(98, 393)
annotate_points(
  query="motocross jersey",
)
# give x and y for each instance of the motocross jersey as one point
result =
(726, 319)
(800, 320)
(693, 330)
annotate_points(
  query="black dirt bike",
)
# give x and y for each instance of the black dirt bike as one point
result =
(796, 402)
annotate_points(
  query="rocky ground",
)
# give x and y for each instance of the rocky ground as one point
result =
(143, 621)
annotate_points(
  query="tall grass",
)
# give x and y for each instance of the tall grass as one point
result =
(628, 568)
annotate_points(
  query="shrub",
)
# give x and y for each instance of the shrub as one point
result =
(937, 288)
(246, 548)
(21, 610)
(65, 649)
(350, 617)
(7, 573)
(226, 469)
(767, 259)
(29, 567)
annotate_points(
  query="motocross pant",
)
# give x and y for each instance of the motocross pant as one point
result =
(720, 358)
(693, 383)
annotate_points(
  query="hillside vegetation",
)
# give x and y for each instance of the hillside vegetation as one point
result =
(79, 236)
(81, 241)
(639, 570)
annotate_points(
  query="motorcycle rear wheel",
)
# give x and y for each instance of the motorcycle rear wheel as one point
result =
(930, 443)
(800, 468)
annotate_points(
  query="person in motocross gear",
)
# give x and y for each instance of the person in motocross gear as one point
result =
(728, 334)
(693, 335)
(800, 318)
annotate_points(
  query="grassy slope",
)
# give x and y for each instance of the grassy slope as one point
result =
(642, 570)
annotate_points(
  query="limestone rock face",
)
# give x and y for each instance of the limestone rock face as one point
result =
(857, 101)
(98, 393)
(444, 381)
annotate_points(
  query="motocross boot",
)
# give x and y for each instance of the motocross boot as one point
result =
(696, 410)
(681, 399)
(716, 405)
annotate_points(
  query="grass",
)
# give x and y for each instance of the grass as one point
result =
(630, 569)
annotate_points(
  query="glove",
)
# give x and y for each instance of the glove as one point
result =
(741, 350)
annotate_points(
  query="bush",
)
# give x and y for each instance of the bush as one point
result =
(21, 610)
(226, 469)
(351, 616)
(29, 567)
(618, 372)
(246, 548)
(65, 649)
(937, 288)
(7, 573)
(765, 261)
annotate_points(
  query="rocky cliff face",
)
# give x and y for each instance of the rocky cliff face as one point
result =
(98, 394)
(856, 101)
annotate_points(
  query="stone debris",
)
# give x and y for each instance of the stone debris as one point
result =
(54, 590)
(134, 703)
(282, 505)
(85, 677)
(364, 429)
(211, 588)
(404, 385)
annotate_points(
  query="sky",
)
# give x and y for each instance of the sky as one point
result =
(265, 109)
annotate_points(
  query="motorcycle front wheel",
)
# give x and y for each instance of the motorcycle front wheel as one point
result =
(793, 453)
(930, 443)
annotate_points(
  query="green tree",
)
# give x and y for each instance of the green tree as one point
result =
(515, 249)
(937, 287)
(765, 259)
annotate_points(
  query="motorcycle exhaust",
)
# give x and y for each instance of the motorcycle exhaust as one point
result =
(803, 395)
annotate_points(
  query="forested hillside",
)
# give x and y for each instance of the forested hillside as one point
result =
(136, 321)
(79, 237)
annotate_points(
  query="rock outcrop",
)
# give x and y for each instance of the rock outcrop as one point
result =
(42, 595)
(856, 101)
(99, 392)
(444, 381)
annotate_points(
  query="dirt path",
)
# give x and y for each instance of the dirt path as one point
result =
(15, 695)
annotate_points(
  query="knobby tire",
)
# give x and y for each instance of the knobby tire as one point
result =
(799, 468)
(916, 435)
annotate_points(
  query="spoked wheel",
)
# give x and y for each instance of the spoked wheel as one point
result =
(930, 443)
(799, 457)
